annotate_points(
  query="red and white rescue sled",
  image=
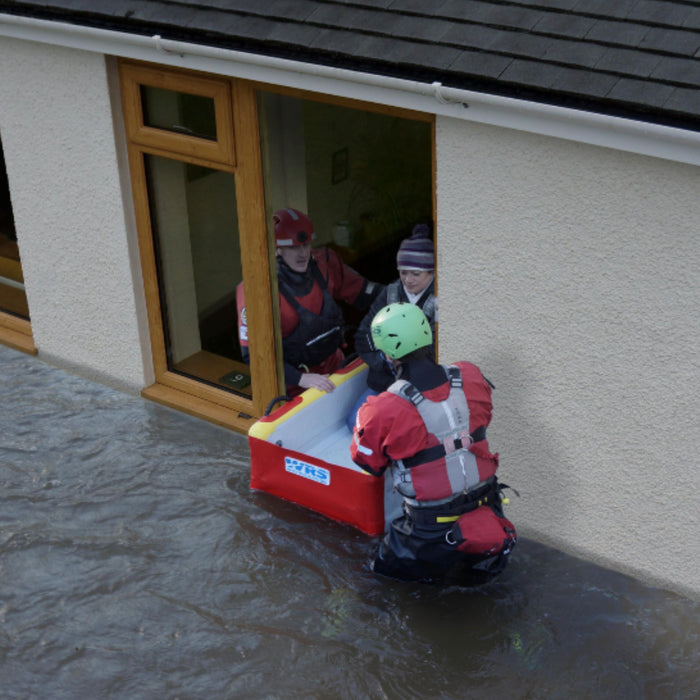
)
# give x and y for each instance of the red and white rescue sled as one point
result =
(301, 452)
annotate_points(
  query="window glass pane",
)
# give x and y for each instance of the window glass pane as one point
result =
(193, 213)
(181, 112)
(13, 300)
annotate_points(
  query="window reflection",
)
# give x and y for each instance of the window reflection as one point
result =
(180, 112)
(193, 213)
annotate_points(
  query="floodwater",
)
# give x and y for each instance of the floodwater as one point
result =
(135, 562)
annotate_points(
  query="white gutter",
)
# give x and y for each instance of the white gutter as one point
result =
(560, 122)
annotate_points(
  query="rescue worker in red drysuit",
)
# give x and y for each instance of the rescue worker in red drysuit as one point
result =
(310, 281)
(430, 427)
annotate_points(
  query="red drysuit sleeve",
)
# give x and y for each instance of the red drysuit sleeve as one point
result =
(387, 428)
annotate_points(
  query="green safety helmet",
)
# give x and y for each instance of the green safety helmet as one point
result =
(399, 329)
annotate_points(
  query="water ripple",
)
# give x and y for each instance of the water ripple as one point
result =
(135, 562)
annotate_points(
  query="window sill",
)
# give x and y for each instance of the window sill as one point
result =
(17, 333)
(199, 408)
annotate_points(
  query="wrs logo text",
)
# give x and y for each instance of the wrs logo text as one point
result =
(308, 471)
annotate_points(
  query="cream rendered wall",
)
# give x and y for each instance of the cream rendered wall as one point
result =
(569, 274)
(74, 228)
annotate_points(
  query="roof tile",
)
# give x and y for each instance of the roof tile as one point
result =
(419, 6)
(456, 9)
(230, 5)
(342, 42)
(606, 8)
(576, 53)
(680, 42)
(677, 70)
(374, 4)
(233, 5)
(635, 91)
(412, 53)
(519, 44)
(558, 4)
(666, 13)
(334, 16)
(301, 35)
(423, 55)
(616, 32)
(424, 29)
(488, 12)
(509, 16)
(575, 81)
(684, 100)
(531, 74)
(471, 35)
(559, 24)
(244, 27)
(692, 21)
(293, 10)
(627, 62)
(480, 64)
(179, 16)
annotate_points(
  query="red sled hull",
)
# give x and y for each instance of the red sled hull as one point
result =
(344, 495)
(301, 453)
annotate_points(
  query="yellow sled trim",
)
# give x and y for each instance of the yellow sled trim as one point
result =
(263, 428)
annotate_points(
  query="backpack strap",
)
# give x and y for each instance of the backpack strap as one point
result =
(451, 443)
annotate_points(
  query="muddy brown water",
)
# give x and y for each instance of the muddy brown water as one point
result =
(135, 562)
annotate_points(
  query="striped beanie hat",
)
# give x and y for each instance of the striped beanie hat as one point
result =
(416, 251)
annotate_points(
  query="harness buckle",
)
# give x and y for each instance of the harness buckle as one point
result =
(401, 477)
(462, 441)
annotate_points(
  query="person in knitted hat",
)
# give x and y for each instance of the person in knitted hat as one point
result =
(416, 252)
(415, 261)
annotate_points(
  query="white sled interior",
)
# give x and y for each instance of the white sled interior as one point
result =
(312, 431)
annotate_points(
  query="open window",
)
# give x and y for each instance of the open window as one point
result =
(15, 329)
(211, 159)
(363, 174)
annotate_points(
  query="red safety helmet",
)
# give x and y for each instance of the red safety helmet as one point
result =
(292, 227)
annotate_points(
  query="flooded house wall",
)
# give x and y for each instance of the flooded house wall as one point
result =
(568, 273)
(57, 130)
(565, 272)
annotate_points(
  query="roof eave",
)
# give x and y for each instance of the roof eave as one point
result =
(492, 102)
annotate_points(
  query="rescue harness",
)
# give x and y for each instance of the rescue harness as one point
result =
(435, 474)
(317, 336)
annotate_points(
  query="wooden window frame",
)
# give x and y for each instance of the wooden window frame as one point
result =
(237, 150)
(16, 333)
(220, 151)
(236, 114)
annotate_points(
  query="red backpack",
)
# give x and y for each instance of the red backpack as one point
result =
(482, 531)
